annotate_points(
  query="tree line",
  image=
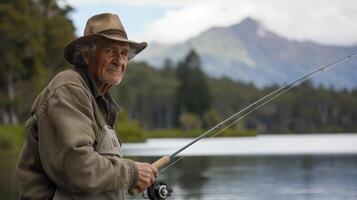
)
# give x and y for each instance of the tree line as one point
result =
(32, 36)
(179, 95)
(182, 96)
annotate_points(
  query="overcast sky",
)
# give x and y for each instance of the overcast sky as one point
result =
(331, 22)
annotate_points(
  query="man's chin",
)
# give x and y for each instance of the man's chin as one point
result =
(117, 83)
(111, 82)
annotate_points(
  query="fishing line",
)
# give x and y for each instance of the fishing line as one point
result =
(254, 106)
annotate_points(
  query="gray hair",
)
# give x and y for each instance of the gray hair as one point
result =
(80, 49)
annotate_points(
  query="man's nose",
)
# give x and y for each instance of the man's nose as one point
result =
(116, 59)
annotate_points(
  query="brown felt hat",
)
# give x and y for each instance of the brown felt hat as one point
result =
(101, 26)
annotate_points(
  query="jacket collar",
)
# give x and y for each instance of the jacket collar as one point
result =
(107, 101)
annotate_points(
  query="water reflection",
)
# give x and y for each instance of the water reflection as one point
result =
(264, 177)
(184, 178)
(241, 177)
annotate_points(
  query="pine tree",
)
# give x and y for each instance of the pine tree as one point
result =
(20, 51)
(193, 94)
(31, 36)
(57, 31)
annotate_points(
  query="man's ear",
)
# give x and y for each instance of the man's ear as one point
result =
(85, 57)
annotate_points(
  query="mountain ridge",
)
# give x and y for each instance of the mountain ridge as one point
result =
(249, 52)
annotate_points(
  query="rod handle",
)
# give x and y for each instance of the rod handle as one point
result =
(157, 164)
(161, 162)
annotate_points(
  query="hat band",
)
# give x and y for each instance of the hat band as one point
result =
(114, 32)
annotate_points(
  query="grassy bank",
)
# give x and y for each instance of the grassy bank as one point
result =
(178, 133)
(12, 136)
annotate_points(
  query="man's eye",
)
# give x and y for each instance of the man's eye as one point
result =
(109, 50)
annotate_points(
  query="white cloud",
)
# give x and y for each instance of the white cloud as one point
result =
(179, 25)
(323, 21)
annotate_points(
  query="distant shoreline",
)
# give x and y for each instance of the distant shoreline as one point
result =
(293, 144)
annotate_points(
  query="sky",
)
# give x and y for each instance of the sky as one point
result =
(331, 22)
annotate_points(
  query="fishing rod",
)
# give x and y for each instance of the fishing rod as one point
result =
(160, 190)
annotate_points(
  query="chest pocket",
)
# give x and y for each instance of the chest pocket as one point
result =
(108, 143)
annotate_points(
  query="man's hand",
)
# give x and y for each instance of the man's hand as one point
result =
(147, 176)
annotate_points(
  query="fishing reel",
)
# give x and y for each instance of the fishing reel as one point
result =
(158, 191)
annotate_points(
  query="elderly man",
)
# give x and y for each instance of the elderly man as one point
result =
(71, 150)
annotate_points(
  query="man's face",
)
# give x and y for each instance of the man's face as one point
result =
(109, 61)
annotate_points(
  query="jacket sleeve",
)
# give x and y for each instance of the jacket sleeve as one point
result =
(66, 138)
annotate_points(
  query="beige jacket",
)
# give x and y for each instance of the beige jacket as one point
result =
(69, 152)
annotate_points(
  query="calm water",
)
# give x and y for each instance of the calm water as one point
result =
(308, 168)
(328, 177)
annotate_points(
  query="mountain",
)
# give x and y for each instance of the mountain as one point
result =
(248, 52)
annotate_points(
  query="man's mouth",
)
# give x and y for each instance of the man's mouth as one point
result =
(116, 69)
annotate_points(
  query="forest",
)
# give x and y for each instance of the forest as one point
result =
(183, 97)
(177, 100)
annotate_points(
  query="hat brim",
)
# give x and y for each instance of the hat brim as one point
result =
(134, 47)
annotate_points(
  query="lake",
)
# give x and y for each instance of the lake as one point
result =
(327, 177)
(276, 167)
(267, 167)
